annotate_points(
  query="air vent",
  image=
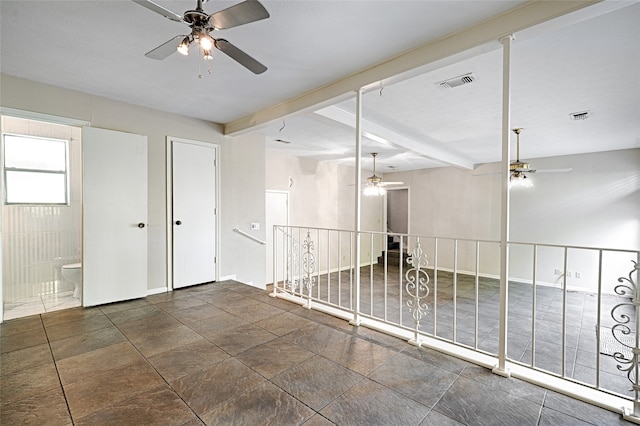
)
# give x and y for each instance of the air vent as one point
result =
(576, 116)
(457, 81)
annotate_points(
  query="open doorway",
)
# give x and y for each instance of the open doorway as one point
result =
(42, 216)
(397, 220)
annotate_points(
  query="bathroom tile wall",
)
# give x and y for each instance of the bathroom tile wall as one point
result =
(38, 240)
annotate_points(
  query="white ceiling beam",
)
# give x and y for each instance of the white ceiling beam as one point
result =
(424, 148)
(531, 13)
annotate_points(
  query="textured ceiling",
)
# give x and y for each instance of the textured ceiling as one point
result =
(98, 47)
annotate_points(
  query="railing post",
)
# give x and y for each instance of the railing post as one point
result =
(358, 187)
(274, 250)
(501, 368)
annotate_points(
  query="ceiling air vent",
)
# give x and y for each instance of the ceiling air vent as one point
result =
(457, 81)
(576, 116)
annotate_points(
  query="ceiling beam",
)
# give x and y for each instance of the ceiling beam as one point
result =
(531, 13)
(424, 148)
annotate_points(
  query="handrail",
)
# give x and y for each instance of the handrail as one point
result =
(251, 237)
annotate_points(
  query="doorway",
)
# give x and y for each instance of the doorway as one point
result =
(397, 216)
(42, 225)
(192, 209)
(277, 213)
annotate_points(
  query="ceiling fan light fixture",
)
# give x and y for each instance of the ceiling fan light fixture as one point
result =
(519, 179)
(207, 55)
(205, 42)
(373, 191)
(183, 48)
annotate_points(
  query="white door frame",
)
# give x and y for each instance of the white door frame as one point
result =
(19, 113)
(274, 191)
(169, 185)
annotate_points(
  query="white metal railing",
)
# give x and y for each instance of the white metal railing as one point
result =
(572, 311)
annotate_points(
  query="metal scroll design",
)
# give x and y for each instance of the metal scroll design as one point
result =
(308, 264)
(624, 320)
(417, 285)
(293, 265)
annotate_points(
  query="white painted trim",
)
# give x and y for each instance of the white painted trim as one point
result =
(169, 210)
(158, 290)
(37, 116)
(228, 277)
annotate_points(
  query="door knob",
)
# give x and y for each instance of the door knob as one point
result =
(178, 222)
(141, 225)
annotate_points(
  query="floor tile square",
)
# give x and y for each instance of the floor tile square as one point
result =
(97, 361)
(316, 381)
(274, 357)
(22, 359)
(373, 404)
(206, 389)
(103, 390)
(422, 382)
(86, 342)
(467, 401)
(240, 339)
(27, 383)
(47, 408)
(153, 407)
(359, 355)
(186, 359)
(265, 404)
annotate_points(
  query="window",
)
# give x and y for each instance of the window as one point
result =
(35, 170)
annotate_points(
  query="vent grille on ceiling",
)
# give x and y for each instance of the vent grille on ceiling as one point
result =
(457, 81)
(580, 115)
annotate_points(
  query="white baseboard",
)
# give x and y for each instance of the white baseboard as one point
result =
(228, 277)
(157, 290)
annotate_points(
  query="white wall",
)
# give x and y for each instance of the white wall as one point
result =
(101, 112)
(323, 195)
(242, 196)
(596, 205)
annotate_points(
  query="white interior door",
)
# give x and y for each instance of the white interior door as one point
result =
(194, 213)
(114, 258)
(277, 213)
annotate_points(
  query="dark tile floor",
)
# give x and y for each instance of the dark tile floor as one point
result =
(226, 353)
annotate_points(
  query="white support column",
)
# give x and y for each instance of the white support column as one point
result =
(501, 368)
(358, 194)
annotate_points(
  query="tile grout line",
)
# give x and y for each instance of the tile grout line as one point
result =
(55, 365)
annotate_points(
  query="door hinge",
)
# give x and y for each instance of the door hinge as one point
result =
(215, 259)
(215, 163)
(215, 211)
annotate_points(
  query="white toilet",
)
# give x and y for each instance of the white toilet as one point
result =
(73, 272)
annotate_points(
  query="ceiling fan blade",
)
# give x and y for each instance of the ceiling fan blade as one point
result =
(239, 56)
(568, 169)
(165, 49)
(159, 9)
(239, 14)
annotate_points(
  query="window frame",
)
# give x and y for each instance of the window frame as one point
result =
(65, 172)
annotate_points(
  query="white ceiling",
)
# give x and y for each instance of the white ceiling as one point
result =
(98, 47)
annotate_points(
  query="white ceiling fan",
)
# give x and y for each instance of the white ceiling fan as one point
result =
(375, 185)
(519, 169)
(202, 25)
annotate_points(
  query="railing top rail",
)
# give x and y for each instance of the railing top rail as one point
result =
(575, 247)
(398, 234)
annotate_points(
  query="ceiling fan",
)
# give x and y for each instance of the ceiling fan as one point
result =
(375, 185)
(519, 169)
(202, 25)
